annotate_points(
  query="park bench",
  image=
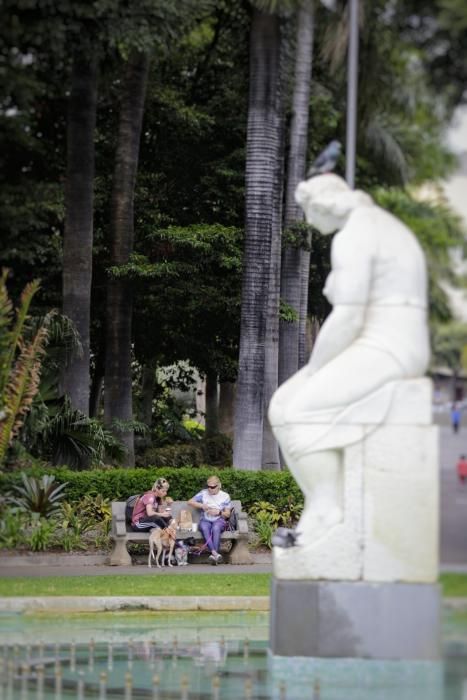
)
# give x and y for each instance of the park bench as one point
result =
(121, 534)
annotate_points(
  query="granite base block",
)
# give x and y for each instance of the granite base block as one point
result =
(355, 620)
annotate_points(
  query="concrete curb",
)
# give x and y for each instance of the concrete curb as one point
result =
(66, 560)
(82, 604)
(78, 604)
(51, 559)
(455, 604)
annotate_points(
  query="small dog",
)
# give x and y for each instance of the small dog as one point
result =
(164, 542)
(181, 555)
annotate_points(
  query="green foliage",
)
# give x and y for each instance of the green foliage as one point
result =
(267, 517)
(172, 456)
(36, 495)
(287, 313)
(64, 435)
(449, 341)
(12, 528)
(192, 274)
(40, 534)
(297, 235)
(195, 429)
(278, 488)
(215, 450)
(20, 362)
(439, 231)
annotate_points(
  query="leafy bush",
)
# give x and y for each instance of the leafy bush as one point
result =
(180, 455)
(267, 517)
(12, 528)
(216, 450)
(41, 534)
(38, 495)
(278, 488)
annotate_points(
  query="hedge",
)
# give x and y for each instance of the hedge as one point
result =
(117, 484)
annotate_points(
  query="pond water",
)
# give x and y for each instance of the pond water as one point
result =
(203, 656)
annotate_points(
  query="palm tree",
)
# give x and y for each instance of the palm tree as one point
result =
(78, 233)
(118, 380)
(296, 259)
(260, 291)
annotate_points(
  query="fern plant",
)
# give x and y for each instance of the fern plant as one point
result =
(20, 362)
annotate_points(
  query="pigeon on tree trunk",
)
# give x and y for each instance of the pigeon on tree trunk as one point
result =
(327, 159)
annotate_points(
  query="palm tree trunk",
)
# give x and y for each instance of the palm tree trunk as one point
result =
(97, 383)
(263, 153)
(296, 261)
(78, 232)
(118, 380)
(212, 405)
(148, 383)
(226, 408)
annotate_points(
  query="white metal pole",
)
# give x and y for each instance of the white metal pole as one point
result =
(352, 94)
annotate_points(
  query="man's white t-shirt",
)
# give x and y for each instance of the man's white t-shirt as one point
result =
(218, 500)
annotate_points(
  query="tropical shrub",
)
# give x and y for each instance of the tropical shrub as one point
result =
(180, 455)
(12, 528)
(215, 450)
(36, 495)
(40, 535)
(267, 517)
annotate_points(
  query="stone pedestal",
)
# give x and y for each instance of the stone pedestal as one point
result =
(389, 531)
(367, 587)
(350, 619)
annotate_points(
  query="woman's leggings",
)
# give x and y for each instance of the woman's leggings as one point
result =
(211, 532)
(149, 522)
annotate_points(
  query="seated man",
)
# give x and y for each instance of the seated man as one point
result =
(216, 508)
(146, 515)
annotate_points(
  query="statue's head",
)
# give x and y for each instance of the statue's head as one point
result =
(327, 200)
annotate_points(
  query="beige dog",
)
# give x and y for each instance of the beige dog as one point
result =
(162, 540)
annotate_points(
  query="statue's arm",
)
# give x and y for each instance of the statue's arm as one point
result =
(348, 289)
(341, 328)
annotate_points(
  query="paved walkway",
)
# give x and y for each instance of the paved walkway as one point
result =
(136, 570)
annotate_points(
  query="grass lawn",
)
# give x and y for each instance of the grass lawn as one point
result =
(453, 585)
(116, 585)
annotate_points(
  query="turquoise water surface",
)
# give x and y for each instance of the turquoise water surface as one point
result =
(196, 656)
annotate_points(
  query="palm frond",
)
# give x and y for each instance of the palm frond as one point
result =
(15, 333)
(383, 144)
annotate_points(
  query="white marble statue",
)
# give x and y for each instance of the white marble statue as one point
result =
(375, 336)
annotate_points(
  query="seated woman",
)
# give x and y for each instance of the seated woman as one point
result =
(216, 508)
(146, 514)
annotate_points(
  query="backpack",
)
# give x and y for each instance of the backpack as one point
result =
(232, 521)
(130, 506)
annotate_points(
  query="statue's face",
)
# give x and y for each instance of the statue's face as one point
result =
(320, 199)
(324, 220)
